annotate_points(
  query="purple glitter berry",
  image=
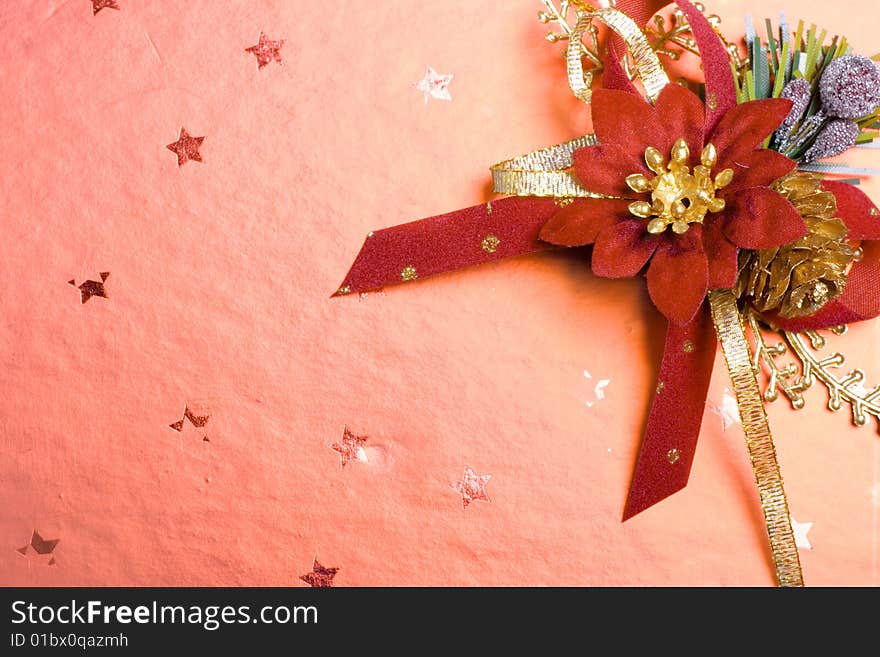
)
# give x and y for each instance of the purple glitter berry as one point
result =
(799, 92)
(836, 137)
(850, 87)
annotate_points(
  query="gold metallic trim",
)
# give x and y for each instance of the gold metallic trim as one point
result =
(728, 325)
(647, 64)
(543, 172)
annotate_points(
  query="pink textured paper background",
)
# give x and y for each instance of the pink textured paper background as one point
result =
(220, 274)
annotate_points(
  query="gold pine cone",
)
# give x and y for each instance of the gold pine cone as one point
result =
(798, 279)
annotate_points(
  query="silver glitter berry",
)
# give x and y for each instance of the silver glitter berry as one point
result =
(850, 87)
(837, 136)
(800, 93)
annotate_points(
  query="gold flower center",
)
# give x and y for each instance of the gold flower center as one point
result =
(679, 197)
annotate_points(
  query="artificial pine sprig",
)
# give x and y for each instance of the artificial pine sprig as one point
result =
(836, 94)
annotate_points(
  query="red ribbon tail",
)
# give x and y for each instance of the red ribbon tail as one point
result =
(664, 462)
(720, 86)
(499, 229)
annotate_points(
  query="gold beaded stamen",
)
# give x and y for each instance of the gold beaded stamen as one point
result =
(679, 197)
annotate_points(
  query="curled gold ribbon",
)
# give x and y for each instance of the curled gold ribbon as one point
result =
(647, 63)
(728, 325)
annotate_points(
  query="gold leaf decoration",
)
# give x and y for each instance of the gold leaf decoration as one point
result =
(798, 360)
(669, 36)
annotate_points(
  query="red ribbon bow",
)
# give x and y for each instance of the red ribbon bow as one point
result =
(512, 227)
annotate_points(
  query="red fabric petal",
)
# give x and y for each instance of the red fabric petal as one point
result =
(757, 169)
(745, 127)
(760, 218)
(721, 254)
(683, 115)
(856, 209)
(580, 222)
(678, 277)
(628, 121)
(603, 169)
(623, 249)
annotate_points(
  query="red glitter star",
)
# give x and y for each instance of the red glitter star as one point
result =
(320, 577)
(187, 148)
(89, 289)
(98, 5)
(39, 544)
(351, 448)
(472, 487)
(266, 50)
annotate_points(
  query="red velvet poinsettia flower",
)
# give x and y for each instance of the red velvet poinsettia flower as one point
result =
(684, 202)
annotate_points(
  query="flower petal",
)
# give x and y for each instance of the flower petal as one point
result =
(603, 169)
(744, 128)
(683, 115)
(623, 249)
(758, 169)
(678, 277)
(721, 254)
(581, 221)
(760, 218)
(861, 216)
(628, 121)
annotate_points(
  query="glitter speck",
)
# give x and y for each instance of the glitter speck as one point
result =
(472, 487)
(688, 347)
(874, 212)
(660, 386)
(345, 289)
(266, 51)
(408, 273)
(673, 455)
(434, 85)
(712, 101)
(490, 243)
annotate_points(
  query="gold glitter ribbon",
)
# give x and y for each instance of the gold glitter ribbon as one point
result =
(647, 63)
(728, 325)
(543, 173)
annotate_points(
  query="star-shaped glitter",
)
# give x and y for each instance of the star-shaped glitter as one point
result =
(800, 530)
(39, 544)
(472, 487)
(320, 577)
(89, 289)
(198, 420)
(351, 448)
(728, 411)
(187, 148)
(434, 85)
(98, 5)
(266, 50)
(598, 389)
